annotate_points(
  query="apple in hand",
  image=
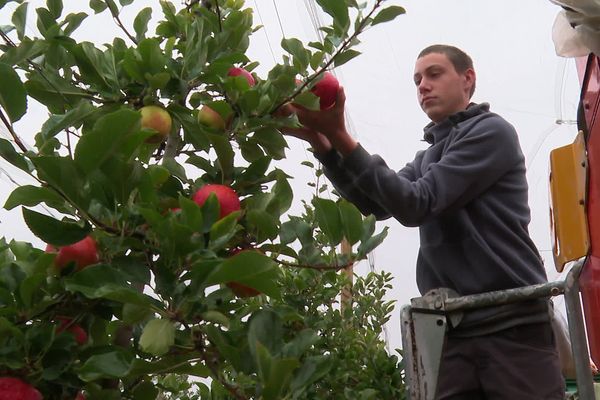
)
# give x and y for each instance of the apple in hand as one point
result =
(82, 253)
(236, 71)
(15, 389)
(80, 334)
(157, 118)
(326, 90)
(209, 117)
(227, 197)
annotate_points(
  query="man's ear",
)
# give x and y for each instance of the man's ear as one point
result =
(470, 77)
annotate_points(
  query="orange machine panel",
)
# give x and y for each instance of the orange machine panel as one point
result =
(570, 240)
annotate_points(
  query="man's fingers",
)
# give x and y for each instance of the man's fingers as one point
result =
(284, 111)
(341, 97)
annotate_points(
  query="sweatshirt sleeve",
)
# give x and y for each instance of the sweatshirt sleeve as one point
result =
(343, 183)
(470, 165)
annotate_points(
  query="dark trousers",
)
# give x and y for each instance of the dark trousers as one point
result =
(519, 363)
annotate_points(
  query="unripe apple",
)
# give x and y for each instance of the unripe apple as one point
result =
(209, 117)
(82, 253)
(236, 71)
(157, 118)
(227, 197)
(15, 389)
(80, 334)
(326, 90)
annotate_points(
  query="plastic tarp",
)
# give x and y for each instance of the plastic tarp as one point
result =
(576, 30)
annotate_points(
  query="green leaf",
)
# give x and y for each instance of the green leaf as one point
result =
(45, 22)
(307, 99)
(55, 7)
(263, 225)
(125, 2)
(329, 220)
(312, 369)
(31, 287)
(26, 49)
(73, 21)
(55, 232)
(196, 50)
(370, 244)
(180, 363)
(98, 6)
(344, 57)
(13, 97)
(152, 55)
(338, 11)
(113, 364)
(351, 221)
(73, 118)
(224, 152)
(296, 48)
(223, 230)
(303, 341)
(157, 337)
(96, 66)
(105, 139)
(19, 19)
(62, 173)
(102, 281)
(250, 268)
(145, 390)
(216, 317)
(266, 328)
(8, 152)
(272, 141)
(279, 378)
(282, 197)
(388, 14)
(31, 196)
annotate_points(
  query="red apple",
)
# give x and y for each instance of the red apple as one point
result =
(227, 197)
(209, 117)
(241, 290)
(82, 253)
(15, 389)
(80, 334)
(236, 71)
(80, 396)
(157, 118)
(326, 90)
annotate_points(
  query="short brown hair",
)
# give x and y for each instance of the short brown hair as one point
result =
(459, 59)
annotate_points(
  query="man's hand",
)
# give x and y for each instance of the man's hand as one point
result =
(318, 142)
(328, 123)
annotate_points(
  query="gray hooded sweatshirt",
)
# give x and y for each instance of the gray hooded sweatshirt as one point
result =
(467, 193)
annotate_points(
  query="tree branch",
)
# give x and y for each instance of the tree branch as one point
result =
(340, 49)
(115, 16)
(319, 267)
(12, 132)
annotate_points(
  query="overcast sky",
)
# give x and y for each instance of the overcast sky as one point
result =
(518, 73)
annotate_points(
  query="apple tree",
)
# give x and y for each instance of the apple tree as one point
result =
(173, 268)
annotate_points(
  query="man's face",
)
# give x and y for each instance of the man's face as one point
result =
(441, 90)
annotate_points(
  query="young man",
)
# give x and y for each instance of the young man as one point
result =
(467, 193)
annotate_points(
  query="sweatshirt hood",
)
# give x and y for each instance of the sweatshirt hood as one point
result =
(433, 132)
